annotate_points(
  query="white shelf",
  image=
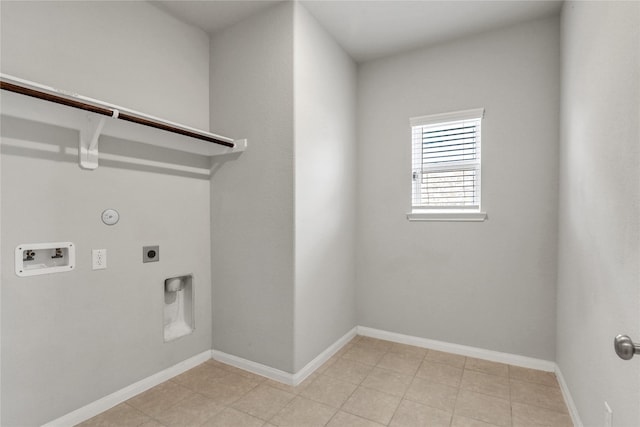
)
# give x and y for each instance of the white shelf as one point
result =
(40, 110)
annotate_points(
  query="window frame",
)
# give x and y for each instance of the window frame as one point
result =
(442, 213)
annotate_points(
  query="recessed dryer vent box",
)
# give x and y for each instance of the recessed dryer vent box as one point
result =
(44, 258)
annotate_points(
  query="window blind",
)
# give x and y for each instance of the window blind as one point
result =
(446, 161)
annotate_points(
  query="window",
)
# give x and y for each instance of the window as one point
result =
(446, 166)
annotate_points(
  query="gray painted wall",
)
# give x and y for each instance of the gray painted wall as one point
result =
(491, 284)
(325, 160)
(153, 63)
(69, 339)
(599, 243)
(283, 213)
(252, 198)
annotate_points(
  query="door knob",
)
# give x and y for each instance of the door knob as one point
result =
(625, 348)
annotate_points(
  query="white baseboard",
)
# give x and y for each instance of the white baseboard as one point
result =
(310, 367)
(108, 402)
(480, 353)
(126, 393)
(277, 374)
(573, 410)
(254, 367)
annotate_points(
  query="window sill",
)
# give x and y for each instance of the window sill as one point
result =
(447, 216)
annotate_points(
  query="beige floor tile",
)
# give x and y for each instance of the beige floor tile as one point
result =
(436, 395)
(226, 390)
(533, 376)
(349, 371)
(155, 400)
(354, 340)
(364, 354)
(193, 411)
(236, 378)
(343, 349)
(345, 419)
(230, 417)
(538, 395)
(374, 343)
(459, 421)
(487, 367)
(484, 408)
(372, 404)
(200, 373)
(333, 359)
(440, 373)
(329, 390)
(447, 358)
(492, 385)
(402, 363)
(263, 401)
(411, 414)
(346, 347)
(122, 415)
(293, 389)
(249, 375)
(151, 423)
(302, 412)
(527, 415)
(387, 381)
(216, 363)
(408, 349)
(370, 396)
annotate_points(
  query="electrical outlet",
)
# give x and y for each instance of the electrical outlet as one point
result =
(99, 259)
(608, 415)
(150, 253)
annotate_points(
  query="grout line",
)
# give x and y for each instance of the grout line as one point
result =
(510, 397)
(357, 385)
(455, 404)
(154, 388)
(229, 371)
(409, 386)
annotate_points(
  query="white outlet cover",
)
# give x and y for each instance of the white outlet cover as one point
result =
(99, 259)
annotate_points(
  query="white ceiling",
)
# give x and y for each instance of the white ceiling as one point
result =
(372, 29)
(213, 15)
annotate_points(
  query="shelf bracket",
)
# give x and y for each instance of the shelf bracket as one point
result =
(88, 147)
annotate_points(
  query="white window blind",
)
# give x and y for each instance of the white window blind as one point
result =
(446, 161)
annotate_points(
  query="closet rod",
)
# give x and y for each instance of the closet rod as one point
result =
(11, 87)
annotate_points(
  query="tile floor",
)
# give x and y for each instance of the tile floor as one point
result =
(368, 383)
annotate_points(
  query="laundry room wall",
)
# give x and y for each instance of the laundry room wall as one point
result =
(71, 338)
